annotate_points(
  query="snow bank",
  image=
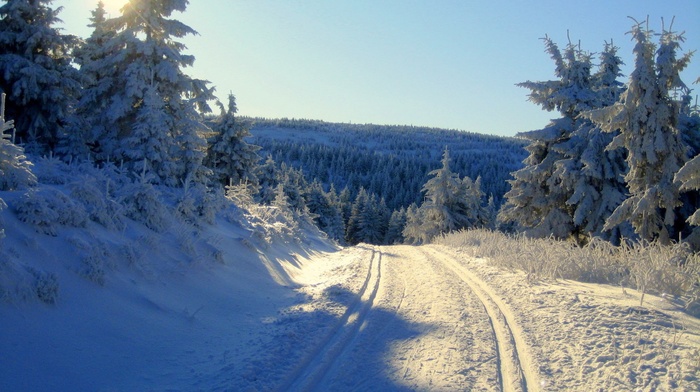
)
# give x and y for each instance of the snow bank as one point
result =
(90, 307)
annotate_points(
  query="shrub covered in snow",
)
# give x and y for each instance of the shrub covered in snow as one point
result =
(23, 283)
(15, 169)
(46, 208)
(143, 204)
(197, 202)
(98, 205)
(672, 270)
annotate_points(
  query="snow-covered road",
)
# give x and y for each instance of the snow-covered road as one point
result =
(419, 321)
(428, 318)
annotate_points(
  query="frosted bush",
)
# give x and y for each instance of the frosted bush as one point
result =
(15, 169)
(46, 208)
(46, 285)
(51, 170)
(99, 207)
(143, 204)
(199, 203)
(20, 283)
(94, 269)
(662, 269)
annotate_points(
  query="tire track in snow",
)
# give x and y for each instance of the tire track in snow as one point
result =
(516, 372)
(316, 367)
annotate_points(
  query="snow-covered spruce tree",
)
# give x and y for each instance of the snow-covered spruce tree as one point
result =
(146, 61)
(353, 226)
(326, 211)
(689, 174)
(591, 175)
(689, 178)
(151, 139)
(267, 176)
(647, 119)
(37, 75)
(15, 169)
(372, 222)
(450, 204)
(397, 223)
(334, 223)
(536, 201)
(90, 128)
(295, 186)
(569, 185)
(229, 156)
(411, 231)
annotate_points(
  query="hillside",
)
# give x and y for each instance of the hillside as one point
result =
(392, 162)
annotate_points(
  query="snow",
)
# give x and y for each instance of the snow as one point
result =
(218, 308)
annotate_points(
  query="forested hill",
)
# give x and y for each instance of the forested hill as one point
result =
(392, 162)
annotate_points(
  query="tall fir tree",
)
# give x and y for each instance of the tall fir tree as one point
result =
(397, 223)
(354, 225)
(145, 60)
(592, 176)
(536, 201)
(92, 131)
(450, 204)
(230, 157)
(37, 75)
(569, 184)
(267, 176)
(647, 118)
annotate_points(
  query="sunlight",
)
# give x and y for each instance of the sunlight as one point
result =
(113, 7)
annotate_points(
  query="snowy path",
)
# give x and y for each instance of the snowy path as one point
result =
(516, 371)
(322, 362)
(418, 322)
(431, 319)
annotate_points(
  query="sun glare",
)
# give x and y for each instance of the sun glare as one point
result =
(113, 7)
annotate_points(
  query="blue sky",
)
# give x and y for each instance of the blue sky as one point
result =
(449, 64)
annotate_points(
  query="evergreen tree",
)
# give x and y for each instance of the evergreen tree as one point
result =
(570, 184)
(332, 221)
(689, 178)
(325, 211)
(15, 170)
(151, 137)
(647, 118)
(412, 231)
(445, 206)
(353, 227)
(40, 83)
(229, 156)
(267, 179)
(397, 223)
(537, 199)
(89, 131)
(450, 204)
(143, 61)
(592, 176)
(295, 186)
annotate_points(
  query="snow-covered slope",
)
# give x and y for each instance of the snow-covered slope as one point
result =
(136, 309)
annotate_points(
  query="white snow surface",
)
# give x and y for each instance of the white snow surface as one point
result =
(217, 309)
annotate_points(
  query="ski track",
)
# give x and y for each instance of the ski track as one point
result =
(515, 371)
(320, 364)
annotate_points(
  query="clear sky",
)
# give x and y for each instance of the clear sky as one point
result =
(442, 63)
